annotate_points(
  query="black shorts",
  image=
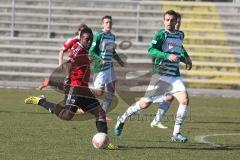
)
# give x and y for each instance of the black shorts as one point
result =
(82, 98)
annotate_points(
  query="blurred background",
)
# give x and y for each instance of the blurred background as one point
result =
(32, 33)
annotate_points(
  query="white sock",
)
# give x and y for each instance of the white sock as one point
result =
(181, 114)
(107, 101)
(160, 113)
(130, 111)
(163, 107)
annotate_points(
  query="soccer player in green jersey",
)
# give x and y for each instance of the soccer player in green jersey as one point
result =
(102, 52)
(166, 49)
(164, 105)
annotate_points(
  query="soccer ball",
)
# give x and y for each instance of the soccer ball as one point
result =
(100, 140)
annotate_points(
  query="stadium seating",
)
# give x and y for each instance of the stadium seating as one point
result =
(212, 33)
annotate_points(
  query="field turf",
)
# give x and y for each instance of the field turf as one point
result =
(30, 132)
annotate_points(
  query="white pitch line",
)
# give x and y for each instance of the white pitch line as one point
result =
(201, 138)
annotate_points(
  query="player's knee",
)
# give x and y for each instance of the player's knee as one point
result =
(169, 97)
(185, 101)
(67, 113)
(144, 103)
(99, 92)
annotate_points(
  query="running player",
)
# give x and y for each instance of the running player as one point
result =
(166, 48)
(102, 51)
(164, 105)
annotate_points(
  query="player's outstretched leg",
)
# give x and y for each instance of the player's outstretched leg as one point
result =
(40, 100)
(121, 120)
(118, 128)
(33, 99)
(101, 124)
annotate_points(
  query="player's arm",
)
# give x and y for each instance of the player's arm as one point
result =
(94, 49)
(66, 46)
(185, 58)
(60, 56)
(118, 59)
(155, 48)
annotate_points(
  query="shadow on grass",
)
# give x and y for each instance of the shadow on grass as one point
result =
(193, 147)
(212, 122)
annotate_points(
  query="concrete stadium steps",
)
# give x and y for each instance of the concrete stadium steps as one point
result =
(119, 20)
(43, 46)
(196, 6)
(26, 49)
(28, 67)
(43, 63)
(32, 41)
(215, 57)
(65, 10)
(196, 40)
(210, 38)
(23, 76)
(115, 12)
(197, 15)
(211, 74)
(191, 36)
(16, 57)
(19, 84)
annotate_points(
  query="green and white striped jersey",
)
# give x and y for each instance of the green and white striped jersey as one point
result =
(163, 44)
(103, 48)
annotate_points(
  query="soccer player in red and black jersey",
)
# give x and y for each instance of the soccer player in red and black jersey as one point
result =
(66, 47)
(69, 43)
(77, 92)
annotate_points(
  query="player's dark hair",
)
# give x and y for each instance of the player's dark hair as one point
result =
(81, 27)
(107, 17)
(170, 12)
(179, 15)
(86, 30)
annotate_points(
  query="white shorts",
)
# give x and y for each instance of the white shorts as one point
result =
(161, 85)
(103, 78)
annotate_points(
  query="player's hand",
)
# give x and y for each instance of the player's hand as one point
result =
(188, 63)
(102, 63)
(44, 84)
(173, 58)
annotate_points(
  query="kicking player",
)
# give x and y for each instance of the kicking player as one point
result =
(102, 51)
(164, 105)
(77, 93)
(166, 48)
(66, 47)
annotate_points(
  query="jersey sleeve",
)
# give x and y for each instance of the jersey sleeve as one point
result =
(183, 55)
(94, 49)
(68, 44)
(155, 48)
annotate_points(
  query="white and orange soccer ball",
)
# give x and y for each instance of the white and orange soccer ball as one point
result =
(100, 140)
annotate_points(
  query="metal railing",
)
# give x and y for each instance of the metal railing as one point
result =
(13, 18)
(49, 19)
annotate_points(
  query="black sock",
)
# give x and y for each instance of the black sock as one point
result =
(101, 126)
(47, 105)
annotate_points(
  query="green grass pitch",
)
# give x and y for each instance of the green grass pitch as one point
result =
(29, 132)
